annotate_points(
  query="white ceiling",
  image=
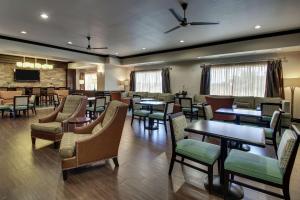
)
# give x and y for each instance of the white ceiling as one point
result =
(126, 26)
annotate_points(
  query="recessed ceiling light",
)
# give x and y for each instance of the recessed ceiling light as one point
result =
(70, 42)
(181, 41)
(144, 48)
(44, 16)
(23, 32)
(257, 26)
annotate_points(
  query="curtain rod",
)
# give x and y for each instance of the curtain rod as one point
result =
(244, 62)
(147, 70)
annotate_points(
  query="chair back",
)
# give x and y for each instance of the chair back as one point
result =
(221, 102)
(207, 112)
(169, 108)
(36, 91)
(71, 103)
(287, 152)
(107, 98)
(56, 99)
(185, 102)
(274, 123)
(32, 99)
(21, 101)
(136, 99)
(267, 109)
(177, 125)
(99, 102)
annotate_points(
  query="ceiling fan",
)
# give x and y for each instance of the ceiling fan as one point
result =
(183, 22)
(89, 47)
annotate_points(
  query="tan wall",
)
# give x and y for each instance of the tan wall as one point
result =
(55, 77)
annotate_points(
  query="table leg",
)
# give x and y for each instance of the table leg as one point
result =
(235, 191)
(151, 121)
(242, 147)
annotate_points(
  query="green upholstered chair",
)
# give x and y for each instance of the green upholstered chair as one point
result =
(269, 171)
(32, 103)
(267, 110)
(187, 107)
(3, 109)
(56, 101)
(163, 116)
(200, 152)
(97, 108)
(138, 111)
(21, 103)
(272, 133)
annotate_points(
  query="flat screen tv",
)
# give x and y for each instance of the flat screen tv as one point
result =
(27, 75)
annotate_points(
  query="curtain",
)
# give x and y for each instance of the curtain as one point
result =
(205, 80)
(148, 81)
(274, 84)
(239, 79)
(132, 81)
(165, 74)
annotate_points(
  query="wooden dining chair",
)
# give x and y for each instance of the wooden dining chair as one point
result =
(138, 111)
(21, 103)
(187, 107)
(262, 169)
(97, 108)
(194, 150)
(32, 104)
(56, 101)
(271, 133)
(163, 116)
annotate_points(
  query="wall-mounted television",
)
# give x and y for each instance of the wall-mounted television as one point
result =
(22, 75)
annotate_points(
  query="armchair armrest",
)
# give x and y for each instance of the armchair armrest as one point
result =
(52, 116)
(89, 128)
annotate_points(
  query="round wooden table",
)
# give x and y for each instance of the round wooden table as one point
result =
(78, 121)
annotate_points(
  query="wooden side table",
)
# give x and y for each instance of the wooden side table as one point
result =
(78, 121)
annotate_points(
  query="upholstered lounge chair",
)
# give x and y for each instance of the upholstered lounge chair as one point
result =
(51, 127)
(97, 141)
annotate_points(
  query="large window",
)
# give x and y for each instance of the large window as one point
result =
(239, 79)
(90, 81)
(148, 81)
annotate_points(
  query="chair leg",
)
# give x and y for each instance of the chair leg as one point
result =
(65, 174)
(33, 140)
(56, 144)
(210, 179)
(191, 117)
(144, 123)
(116, 162)
(166, 129)
(226, 185)
(286, 192)
(275, 146)
(182, 159)
(203, 138)
(132, 117)
(171, 164)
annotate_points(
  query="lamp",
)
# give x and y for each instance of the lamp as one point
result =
(81, 82)
(292, 83)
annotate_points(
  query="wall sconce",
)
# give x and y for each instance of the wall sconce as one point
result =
(100, 69)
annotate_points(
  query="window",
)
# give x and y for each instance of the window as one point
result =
(239, 80)
(90, 81)
(148, 81)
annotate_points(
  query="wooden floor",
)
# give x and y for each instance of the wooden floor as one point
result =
(27, 173)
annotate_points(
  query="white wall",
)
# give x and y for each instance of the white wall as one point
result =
(113, 75)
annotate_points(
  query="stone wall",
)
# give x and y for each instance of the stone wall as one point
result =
(55, 77)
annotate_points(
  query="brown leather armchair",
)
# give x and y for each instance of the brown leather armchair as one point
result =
(52, 126)
(97, 141)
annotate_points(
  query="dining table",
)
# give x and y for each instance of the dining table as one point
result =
(238, 112)
(228, 132)
(150, 105)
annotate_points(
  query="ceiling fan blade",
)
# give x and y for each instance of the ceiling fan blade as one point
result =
(203, 23)
(173, 29)
(100, 48)
(176, 15)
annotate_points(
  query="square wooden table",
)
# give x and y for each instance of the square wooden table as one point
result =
(227, 132)
(238, 112)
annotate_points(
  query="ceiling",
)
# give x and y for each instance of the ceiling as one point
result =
(127, 26)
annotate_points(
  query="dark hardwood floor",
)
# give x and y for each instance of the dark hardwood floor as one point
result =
(27, 173)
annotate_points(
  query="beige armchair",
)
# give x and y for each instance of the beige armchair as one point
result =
(97, 141)
(52, 126)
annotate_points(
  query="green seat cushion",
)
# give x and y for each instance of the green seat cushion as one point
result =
(4, 107)
(30, 105)
(189, 109)
(266, 118)
(268, 133)
(255, 166)
(157, 115)
(142, 113)
(18, 108)
(98, 109)
(201, 151)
